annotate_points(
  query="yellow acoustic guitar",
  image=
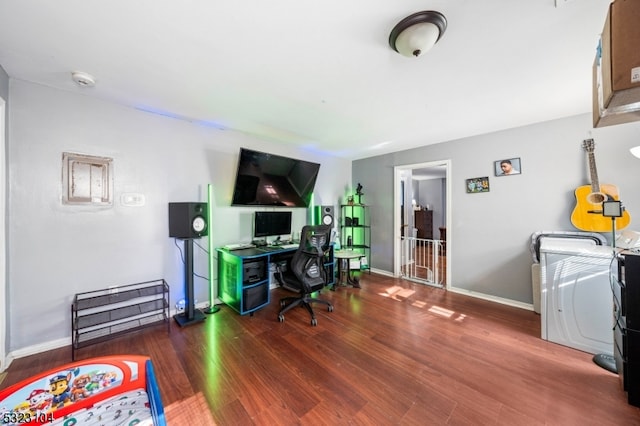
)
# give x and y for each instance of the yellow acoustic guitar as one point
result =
(587, 214)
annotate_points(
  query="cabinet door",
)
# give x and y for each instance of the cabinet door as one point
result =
(631, 298)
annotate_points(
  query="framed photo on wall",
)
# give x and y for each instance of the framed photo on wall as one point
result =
(480, 184)
(508, 167)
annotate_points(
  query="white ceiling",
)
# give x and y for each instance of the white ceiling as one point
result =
(319, 74)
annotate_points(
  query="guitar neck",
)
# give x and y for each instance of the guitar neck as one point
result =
(595, 184)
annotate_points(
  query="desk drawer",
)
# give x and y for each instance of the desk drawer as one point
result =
(255, 297)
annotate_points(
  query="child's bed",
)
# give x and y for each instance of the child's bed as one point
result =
(110, 390)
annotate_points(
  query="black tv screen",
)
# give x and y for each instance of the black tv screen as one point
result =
(266, 224)
(266, 179)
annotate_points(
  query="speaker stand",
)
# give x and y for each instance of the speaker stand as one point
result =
(190, 314)
(606, 361)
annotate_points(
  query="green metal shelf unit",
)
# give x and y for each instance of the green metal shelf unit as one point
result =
(355, 227)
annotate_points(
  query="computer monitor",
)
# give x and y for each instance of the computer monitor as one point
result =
(266, 224)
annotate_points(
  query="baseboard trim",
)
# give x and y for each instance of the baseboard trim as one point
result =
(501, 300)
(41, 347)
(496, 299)
(65, 341)
(382, 272)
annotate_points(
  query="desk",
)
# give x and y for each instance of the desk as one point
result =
(343, 257)
(244, 279)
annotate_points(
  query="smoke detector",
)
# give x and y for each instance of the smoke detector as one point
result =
(83, 79)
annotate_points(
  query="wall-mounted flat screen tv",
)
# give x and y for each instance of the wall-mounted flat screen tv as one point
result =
(266, 179)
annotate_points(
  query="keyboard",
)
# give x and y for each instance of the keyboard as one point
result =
(280, 247)
(238, 246)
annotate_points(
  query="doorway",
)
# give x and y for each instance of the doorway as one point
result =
(417, 188)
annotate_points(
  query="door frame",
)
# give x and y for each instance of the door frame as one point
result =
(3, 235)
(398, 171)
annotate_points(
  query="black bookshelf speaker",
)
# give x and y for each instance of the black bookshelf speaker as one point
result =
(323, 215)
(188, 220)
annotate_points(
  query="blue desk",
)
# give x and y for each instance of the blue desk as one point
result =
(244, 279)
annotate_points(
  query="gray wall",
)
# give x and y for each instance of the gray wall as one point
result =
(490, 232)
(58, 250)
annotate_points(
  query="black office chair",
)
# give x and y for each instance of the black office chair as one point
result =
(305, 273)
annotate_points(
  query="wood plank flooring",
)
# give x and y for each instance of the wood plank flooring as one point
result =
(393, 352)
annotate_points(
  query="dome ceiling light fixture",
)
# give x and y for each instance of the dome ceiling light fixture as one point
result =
(417, 33)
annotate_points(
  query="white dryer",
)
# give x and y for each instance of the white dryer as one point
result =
(577, 300)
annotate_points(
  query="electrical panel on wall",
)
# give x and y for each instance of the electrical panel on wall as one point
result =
(87, 179)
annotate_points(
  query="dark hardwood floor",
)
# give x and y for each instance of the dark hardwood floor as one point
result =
(392, 352)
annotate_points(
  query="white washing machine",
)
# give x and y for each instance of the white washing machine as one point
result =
(576, 298)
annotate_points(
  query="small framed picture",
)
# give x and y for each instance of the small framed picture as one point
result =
(508, 167)
(480, 184)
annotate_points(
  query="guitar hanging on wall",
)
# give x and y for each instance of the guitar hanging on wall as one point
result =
(587, 214)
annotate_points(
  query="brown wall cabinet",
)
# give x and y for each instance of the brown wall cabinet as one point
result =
(424, 223)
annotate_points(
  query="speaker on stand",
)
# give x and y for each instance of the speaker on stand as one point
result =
(187, 221)
(323, 215)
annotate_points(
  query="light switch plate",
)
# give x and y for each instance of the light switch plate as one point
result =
(132, 199)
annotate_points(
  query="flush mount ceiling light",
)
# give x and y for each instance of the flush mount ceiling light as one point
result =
(417, 33)
(83, 79)
(635, 151)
